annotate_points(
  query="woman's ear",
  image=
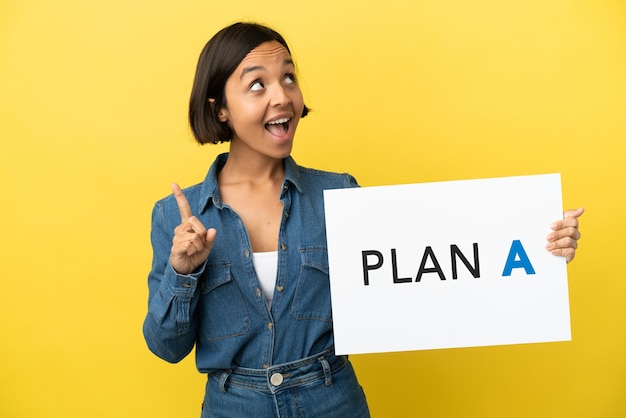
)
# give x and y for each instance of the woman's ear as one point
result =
(222, 114)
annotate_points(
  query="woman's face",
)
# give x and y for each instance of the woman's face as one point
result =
(263, 102)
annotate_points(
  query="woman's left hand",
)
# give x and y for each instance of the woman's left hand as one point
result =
(563, 240)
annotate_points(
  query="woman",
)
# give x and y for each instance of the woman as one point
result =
(251, 292)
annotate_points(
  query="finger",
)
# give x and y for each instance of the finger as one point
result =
(562, 243)
(191, 248)
(565, 247)
(563, 237)
(181, 201)
(181, 239)
(190, 226)
(198, 243)
(194, 225)
(210, 239)
(181, 244)
(193, 230)
(573, 213)
(569, 223)
(570, 219)
(568, 253)
(569, 232)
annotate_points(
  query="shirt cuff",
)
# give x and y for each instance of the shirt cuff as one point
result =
(184, 284)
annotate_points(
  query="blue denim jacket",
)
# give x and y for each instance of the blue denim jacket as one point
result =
(220, 308)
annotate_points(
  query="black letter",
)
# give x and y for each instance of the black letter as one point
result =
(367, 267)
(436, 269)
(395, 269)
(454, 250)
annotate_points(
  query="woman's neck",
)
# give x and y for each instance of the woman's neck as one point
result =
(251, 167)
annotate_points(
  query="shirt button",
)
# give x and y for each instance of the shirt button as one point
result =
(286, 214)
(186, 285)
(280, 288)
(283, 247)
(266, 366)
(270, 326)
(258, 292)
(247, 252)
(276, 379)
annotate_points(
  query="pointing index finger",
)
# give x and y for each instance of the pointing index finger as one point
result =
(181, 200)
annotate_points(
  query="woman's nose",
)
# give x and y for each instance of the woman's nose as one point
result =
(279, 96)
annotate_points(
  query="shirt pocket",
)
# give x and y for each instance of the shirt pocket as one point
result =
(312, 295)
(223, 312)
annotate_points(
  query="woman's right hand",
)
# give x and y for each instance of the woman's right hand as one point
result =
(192, 242)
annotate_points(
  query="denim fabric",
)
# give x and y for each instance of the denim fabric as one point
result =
(220, 308)
(320, 386)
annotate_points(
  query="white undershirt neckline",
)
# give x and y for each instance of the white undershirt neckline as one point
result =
(266, 266)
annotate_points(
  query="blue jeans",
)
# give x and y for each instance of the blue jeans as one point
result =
(323, 385)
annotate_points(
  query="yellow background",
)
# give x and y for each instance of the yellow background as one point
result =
(93, 100)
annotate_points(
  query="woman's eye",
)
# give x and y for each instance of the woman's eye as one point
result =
(290, 78)
(257, 85)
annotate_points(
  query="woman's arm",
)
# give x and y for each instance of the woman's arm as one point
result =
(179, 260)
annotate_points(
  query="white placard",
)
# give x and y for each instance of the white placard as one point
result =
(448, 264)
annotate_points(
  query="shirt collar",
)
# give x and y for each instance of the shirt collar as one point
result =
(210, 190)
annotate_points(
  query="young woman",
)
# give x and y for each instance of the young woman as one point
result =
(240, 266)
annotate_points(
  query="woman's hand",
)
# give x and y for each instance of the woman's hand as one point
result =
(192, 242)
(563, 240)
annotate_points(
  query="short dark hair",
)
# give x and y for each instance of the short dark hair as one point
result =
(218, 60)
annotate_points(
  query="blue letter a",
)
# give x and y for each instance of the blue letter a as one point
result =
(517, 259)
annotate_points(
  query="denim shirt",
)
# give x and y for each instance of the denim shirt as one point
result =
(220, 308)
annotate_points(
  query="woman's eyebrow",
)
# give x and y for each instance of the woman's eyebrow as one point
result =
(287, 62)
(251, 69)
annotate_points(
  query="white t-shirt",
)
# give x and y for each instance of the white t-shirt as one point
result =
(266, 266)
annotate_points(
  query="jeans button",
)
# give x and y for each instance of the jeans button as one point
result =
(276, 379)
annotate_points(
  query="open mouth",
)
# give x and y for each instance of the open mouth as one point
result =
(278, 126)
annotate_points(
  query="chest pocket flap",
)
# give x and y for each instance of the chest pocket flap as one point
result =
(223, 312)
(312, 295)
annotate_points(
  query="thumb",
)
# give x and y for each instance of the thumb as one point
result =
(209, 238)
(575, 213)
